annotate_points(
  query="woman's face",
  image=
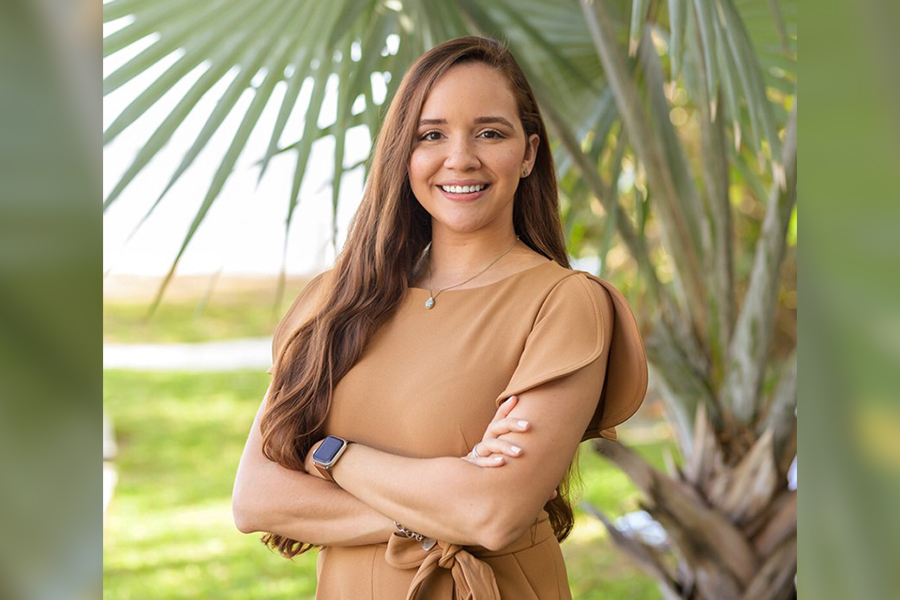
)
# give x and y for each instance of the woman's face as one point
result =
(470, 151)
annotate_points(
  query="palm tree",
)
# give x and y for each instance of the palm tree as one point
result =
(675, 131)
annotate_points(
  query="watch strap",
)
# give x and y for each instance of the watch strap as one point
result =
(325, 472)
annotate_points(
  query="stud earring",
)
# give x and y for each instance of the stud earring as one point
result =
(524, 172)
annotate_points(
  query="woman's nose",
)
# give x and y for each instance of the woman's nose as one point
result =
(462, 156)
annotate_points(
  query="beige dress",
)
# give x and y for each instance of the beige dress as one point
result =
(428, 384)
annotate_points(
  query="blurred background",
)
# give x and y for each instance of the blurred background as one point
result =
(674, 127)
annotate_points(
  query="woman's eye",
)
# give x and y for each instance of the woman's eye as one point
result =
(491, 134)
(431, 136)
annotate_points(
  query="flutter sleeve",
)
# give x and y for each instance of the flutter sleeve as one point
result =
(301, 310)
(585, 321)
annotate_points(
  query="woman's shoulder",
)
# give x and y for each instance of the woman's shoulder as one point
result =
(580, 316)
(571, 298)
(558, 280)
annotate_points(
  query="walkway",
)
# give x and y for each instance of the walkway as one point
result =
(248, 353)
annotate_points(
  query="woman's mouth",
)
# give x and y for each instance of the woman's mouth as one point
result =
(463, 192)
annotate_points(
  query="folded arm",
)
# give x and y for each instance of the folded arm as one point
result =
(453, 500)
(270, 498)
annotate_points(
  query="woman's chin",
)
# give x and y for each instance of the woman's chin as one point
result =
(457, 227)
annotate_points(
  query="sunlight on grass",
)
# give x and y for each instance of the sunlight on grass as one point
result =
(169, 531)
(236, 309)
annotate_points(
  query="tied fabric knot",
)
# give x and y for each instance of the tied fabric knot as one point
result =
(473, 579)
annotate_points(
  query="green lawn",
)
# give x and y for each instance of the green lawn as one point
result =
(169, 533)
(184, 317)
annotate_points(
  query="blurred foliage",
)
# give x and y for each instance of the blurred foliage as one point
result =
(850, 392)
(49, 301)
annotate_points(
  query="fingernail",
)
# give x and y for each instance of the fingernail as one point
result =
(507, 400)
(498, 459)
(523, 424)
(516, 449)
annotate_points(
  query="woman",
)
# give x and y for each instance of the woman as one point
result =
(452, 294)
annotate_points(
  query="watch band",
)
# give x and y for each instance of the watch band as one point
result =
(325, 472)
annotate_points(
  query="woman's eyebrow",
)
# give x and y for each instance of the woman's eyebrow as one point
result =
(501, 120)
(478, 121)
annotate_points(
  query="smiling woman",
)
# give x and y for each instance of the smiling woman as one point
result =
(417, 442)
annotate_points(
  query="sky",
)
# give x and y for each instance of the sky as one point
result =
(244, 231)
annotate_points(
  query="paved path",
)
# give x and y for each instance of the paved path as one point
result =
(248, 353)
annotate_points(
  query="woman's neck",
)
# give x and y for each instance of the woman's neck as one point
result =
(452, 259)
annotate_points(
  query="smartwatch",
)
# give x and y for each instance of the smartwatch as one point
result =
(328, 453)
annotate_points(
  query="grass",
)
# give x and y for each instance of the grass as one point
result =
(169, 533)
(236, 309)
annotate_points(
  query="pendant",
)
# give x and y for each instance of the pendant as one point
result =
(429, 303)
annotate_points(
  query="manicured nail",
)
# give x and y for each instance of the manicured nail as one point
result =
(516, 449)
(507, 400)
(498, 459)
(523, 424)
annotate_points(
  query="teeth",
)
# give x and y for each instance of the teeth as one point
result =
(462, 189)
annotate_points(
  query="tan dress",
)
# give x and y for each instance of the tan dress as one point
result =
(428, 384)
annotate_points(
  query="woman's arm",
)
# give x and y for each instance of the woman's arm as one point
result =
(453, 500)
(270, 498)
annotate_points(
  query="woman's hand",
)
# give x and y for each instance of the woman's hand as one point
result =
(492, 451)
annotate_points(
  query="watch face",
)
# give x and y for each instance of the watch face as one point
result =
(326, 452)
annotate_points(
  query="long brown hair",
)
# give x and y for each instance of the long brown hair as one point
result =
(387, 236)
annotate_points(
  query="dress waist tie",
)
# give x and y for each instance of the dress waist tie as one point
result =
(473, 578)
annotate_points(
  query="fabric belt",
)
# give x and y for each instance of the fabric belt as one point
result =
(473, 578)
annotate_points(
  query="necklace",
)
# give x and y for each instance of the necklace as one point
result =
(429, 304)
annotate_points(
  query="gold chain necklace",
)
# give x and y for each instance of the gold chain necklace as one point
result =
(429, 304)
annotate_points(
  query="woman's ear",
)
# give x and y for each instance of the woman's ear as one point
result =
(531, 148)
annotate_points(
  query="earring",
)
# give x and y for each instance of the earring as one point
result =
(524, 172)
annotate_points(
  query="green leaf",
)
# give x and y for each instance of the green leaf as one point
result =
(250, 65)
(677, 22)
(184, 65)
(345, 99)
(180, 36)
(728, 84)
(260, 99)
(312, 116)
(703, 10)
(149, 23)
(749, 69)
(219, 66)
(301, 65)
(639, 10)
(117, 9)
(686, 197)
